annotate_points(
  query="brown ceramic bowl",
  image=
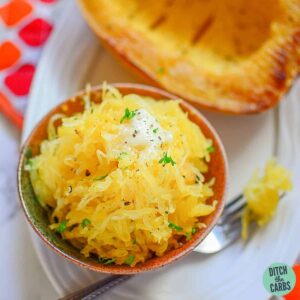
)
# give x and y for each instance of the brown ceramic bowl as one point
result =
(38, 216)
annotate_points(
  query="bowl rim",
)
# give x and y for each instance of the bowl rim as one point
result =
(143, 267)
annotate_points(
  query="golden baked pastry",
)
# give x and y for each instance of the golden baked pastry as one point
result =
(229, 55)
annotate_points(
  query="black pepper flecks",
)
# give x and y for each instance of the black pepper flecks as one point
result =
(87, 172)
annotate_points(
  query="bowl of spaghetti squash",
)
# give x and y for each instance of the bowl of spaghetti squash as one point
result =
(122, 178)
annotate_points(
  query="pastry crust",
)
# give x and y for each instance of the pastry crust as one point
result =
(233, 56)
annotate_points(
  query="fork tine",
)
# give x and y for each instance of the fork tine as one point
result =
(228, 221)
(238, 207)
(234, 233)
(233, 226)
(282, 195)
(239, 197)
(228, 229)
(232, 220)
(233, 201)
(232, 209)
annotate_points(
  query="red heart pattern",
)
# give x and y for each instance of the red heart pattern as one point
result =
(36, 32)
(49, 1)
(19, 81)
(28, 28)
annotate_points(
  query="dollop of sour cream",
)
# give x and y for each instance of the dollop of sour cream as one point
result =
(144, 133)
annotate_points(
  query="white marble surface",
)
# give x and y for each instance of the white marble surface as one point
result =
(21, 276)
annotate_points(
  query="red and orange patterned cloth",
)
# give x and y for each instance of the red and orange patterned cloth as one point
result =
(25, 26)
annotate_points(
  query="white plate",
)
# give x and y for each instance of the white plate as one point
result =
(74, 57)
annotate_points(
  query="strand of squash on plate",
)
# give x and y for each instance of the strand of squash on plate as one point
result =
(262, 194)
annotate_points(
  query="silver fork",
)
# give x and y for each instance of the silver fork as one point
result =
(228, 228)
(227, 231)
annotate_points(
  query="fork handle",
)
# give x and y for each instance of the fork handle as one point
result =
(97, 289)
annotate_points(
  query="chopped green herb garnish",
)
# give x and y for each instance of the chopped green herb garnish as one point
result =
(174, 226)
(194, 230)
(161, 70)
(28, 159)
(188, 236)
(128, 115)
(129, 260)
(155, 130)
(39, 201)
(167, 160)
(28, 153)
(29, 164)
(100, 177)
(210, 149)
(85, 222)
(122, 154)
(107, 261)
(62, 227)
